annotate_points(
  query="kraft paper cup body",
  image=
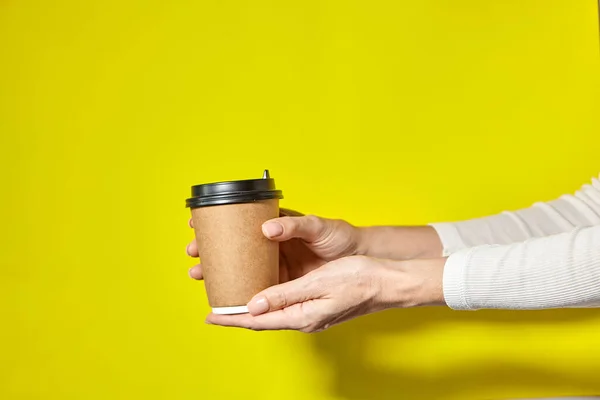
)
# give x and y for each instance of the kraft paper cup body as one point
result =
(238, 261)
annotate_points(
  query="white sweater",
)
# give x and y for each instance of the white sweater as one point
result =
(545, 256)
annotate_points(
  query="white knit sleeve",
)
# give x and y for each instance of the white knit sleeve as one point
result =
(542, 219)
(558, 271)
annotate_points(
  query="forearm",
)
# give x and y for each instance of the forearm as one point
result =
(558, 271)
(400, 242)
(541, 219)
(441, 239)
(412, 283)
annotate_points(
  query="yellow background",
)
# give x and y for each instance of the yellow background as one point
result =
(381, 112)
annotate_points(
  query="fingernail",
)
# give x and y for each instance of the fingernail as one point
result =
(272, 229)
(260, 305)
(187, 249)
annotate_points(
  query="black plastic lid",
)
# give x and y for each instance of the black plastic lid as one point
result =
(246, 191)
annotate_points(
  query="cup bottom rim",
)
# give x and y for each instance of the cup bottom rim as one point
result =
(230, 310)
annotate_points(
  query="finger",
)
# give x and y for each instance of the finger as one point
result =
(308, 228)
(196, 272)
(191, 223)
(192, 249)
(277, 320)
(284, 295)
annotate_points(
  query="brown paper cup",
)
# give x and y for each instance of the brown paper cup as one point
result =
(238, 261)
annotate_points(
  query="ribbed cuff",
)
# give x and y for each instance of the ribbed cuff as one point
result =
(449, 236)
(454, 281)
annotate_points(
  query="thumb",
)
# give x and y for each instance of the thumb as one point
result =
(281, 296)
(308, 228)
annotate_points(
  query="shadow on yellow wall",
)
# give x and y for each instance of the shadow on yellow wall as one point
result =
(352, 349)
